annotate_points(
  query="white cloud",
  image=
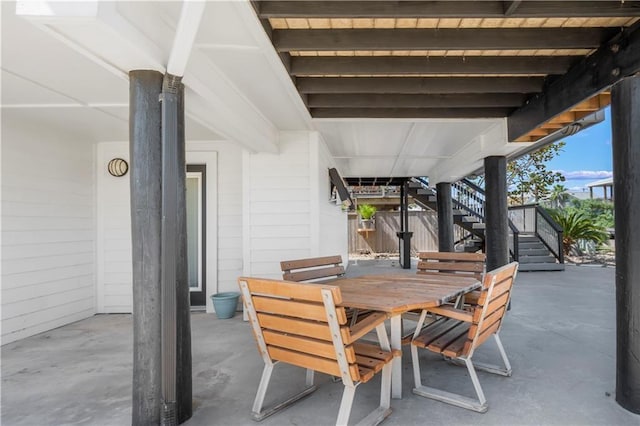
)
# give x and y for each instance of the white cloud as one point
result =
(586, 174)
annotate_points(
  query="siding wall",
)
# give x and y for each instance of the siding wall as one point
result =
(224, 222)
(287, 213)
(48, 239)
(333, 227)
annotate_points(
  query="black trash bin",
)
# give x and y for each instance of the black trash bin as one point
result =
(405, 249)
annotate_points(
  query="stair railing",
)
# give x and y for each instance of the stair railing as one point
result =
(533, 219)
(469, 197)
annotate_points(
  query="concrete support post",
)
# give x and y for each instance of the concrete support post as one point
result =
(625, 110)
(146, 217)
(404, 236)
(496, 212)
(445, 216)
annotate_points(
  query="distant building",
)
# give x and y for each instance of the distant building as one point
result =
(603, 186)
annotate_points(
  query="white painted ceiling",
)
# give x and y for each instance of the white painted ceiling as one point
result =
(71, 71)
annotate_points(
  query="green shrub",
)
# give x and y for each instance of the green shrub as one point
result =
(367, 211)
(576, 226)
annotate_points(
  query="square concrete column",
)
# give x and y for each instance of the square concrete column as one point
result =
(625, 123)
(496, 212)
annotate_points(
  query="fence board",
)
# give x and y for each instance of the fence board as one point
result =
(423, 224)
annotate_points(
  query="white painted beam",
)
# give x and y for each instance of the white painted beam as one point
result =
(185, 36)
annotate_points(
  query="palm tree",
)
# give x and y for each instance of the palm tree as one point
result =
(558, 196)
(576, 227)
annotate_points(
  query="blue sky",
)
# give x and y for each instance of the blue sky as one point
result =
(587, 155)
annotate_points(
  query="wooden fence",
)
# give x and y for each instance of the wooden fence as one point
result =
(423, 224)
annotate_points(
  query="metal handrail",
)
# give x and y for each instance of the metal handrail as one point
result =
(477, 194)
(545, 228)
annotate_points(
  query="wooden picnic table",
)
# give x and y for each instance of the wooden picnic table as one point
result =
(396, 294)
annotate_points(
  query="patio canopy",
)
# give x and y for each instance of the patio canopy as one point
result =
(413, 88)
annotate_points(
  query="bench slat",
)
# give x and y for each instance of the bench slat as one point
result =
(296, 309)
(306, 345)
(313, 274)
(316, 363)
(308, 292)
(453, 266)
(287, 265)
(443, 255)
(312, 329)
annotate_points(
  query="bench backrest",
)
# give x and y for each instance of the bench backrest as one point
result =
(299, 324)
(492, 305)
(434, 262)
(312, 268)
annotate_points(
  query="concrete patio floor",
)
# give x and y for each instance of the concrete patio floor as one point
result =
(559, 335)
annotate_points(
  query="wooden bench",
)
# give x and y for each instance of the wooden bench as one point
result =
(318, 270)
(449, 263)
(312, 269)
(300, 324)
(458, 333)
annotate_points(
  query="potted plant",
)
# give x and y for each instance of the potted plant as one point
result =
(367, 211)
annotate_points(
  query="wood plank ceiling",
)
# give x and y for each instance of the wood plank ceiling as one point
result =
(448, 59)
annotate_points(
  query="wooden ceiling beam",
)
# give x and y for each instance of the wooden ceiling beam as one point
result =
(609, 64)
(446, 9)
(417, 85)
(398, 65)
(511, 6)
(368, 100)
(409, 112)
(440, 39)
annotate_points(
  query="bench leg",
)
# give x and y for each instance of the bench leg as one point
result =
(480, 405)
(258, 412)
(492, 368)
(345, 405)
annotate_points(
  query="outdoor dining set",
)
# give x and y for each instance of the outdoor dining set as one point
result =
(320, 320)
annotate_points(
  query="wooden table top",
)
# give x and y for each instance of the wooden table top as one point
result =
(398, 293)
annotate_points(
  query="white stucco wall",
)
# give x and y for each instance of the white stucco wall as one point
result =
(224, 222)
(48, 224)
(287, 214)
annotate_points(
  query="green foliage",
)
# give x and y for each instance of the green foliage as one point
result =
(528, 176)
(598, 211)
(367, 211)
(576, 226)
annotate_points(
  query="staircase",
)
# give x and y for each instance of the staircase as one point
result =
(535, 256)
(530, 247)
(468, 211)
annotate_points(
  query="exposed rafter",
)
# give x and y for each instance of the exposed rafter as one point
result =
(446, 9)
(371, 100)
(440, 39)
(613, 61)
(399, 65)
(410, 112)
(427, 85)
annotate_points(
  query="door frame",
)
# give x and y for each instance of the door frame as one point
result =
(199, 297)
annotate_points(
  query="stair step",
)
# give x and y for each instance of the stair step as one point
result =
(528, 238)
(528, 267)
(536, 259)
(533, 252)
(469, 219)
(424, 191)
(537, 245)
(413, 184)
(479, 225)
